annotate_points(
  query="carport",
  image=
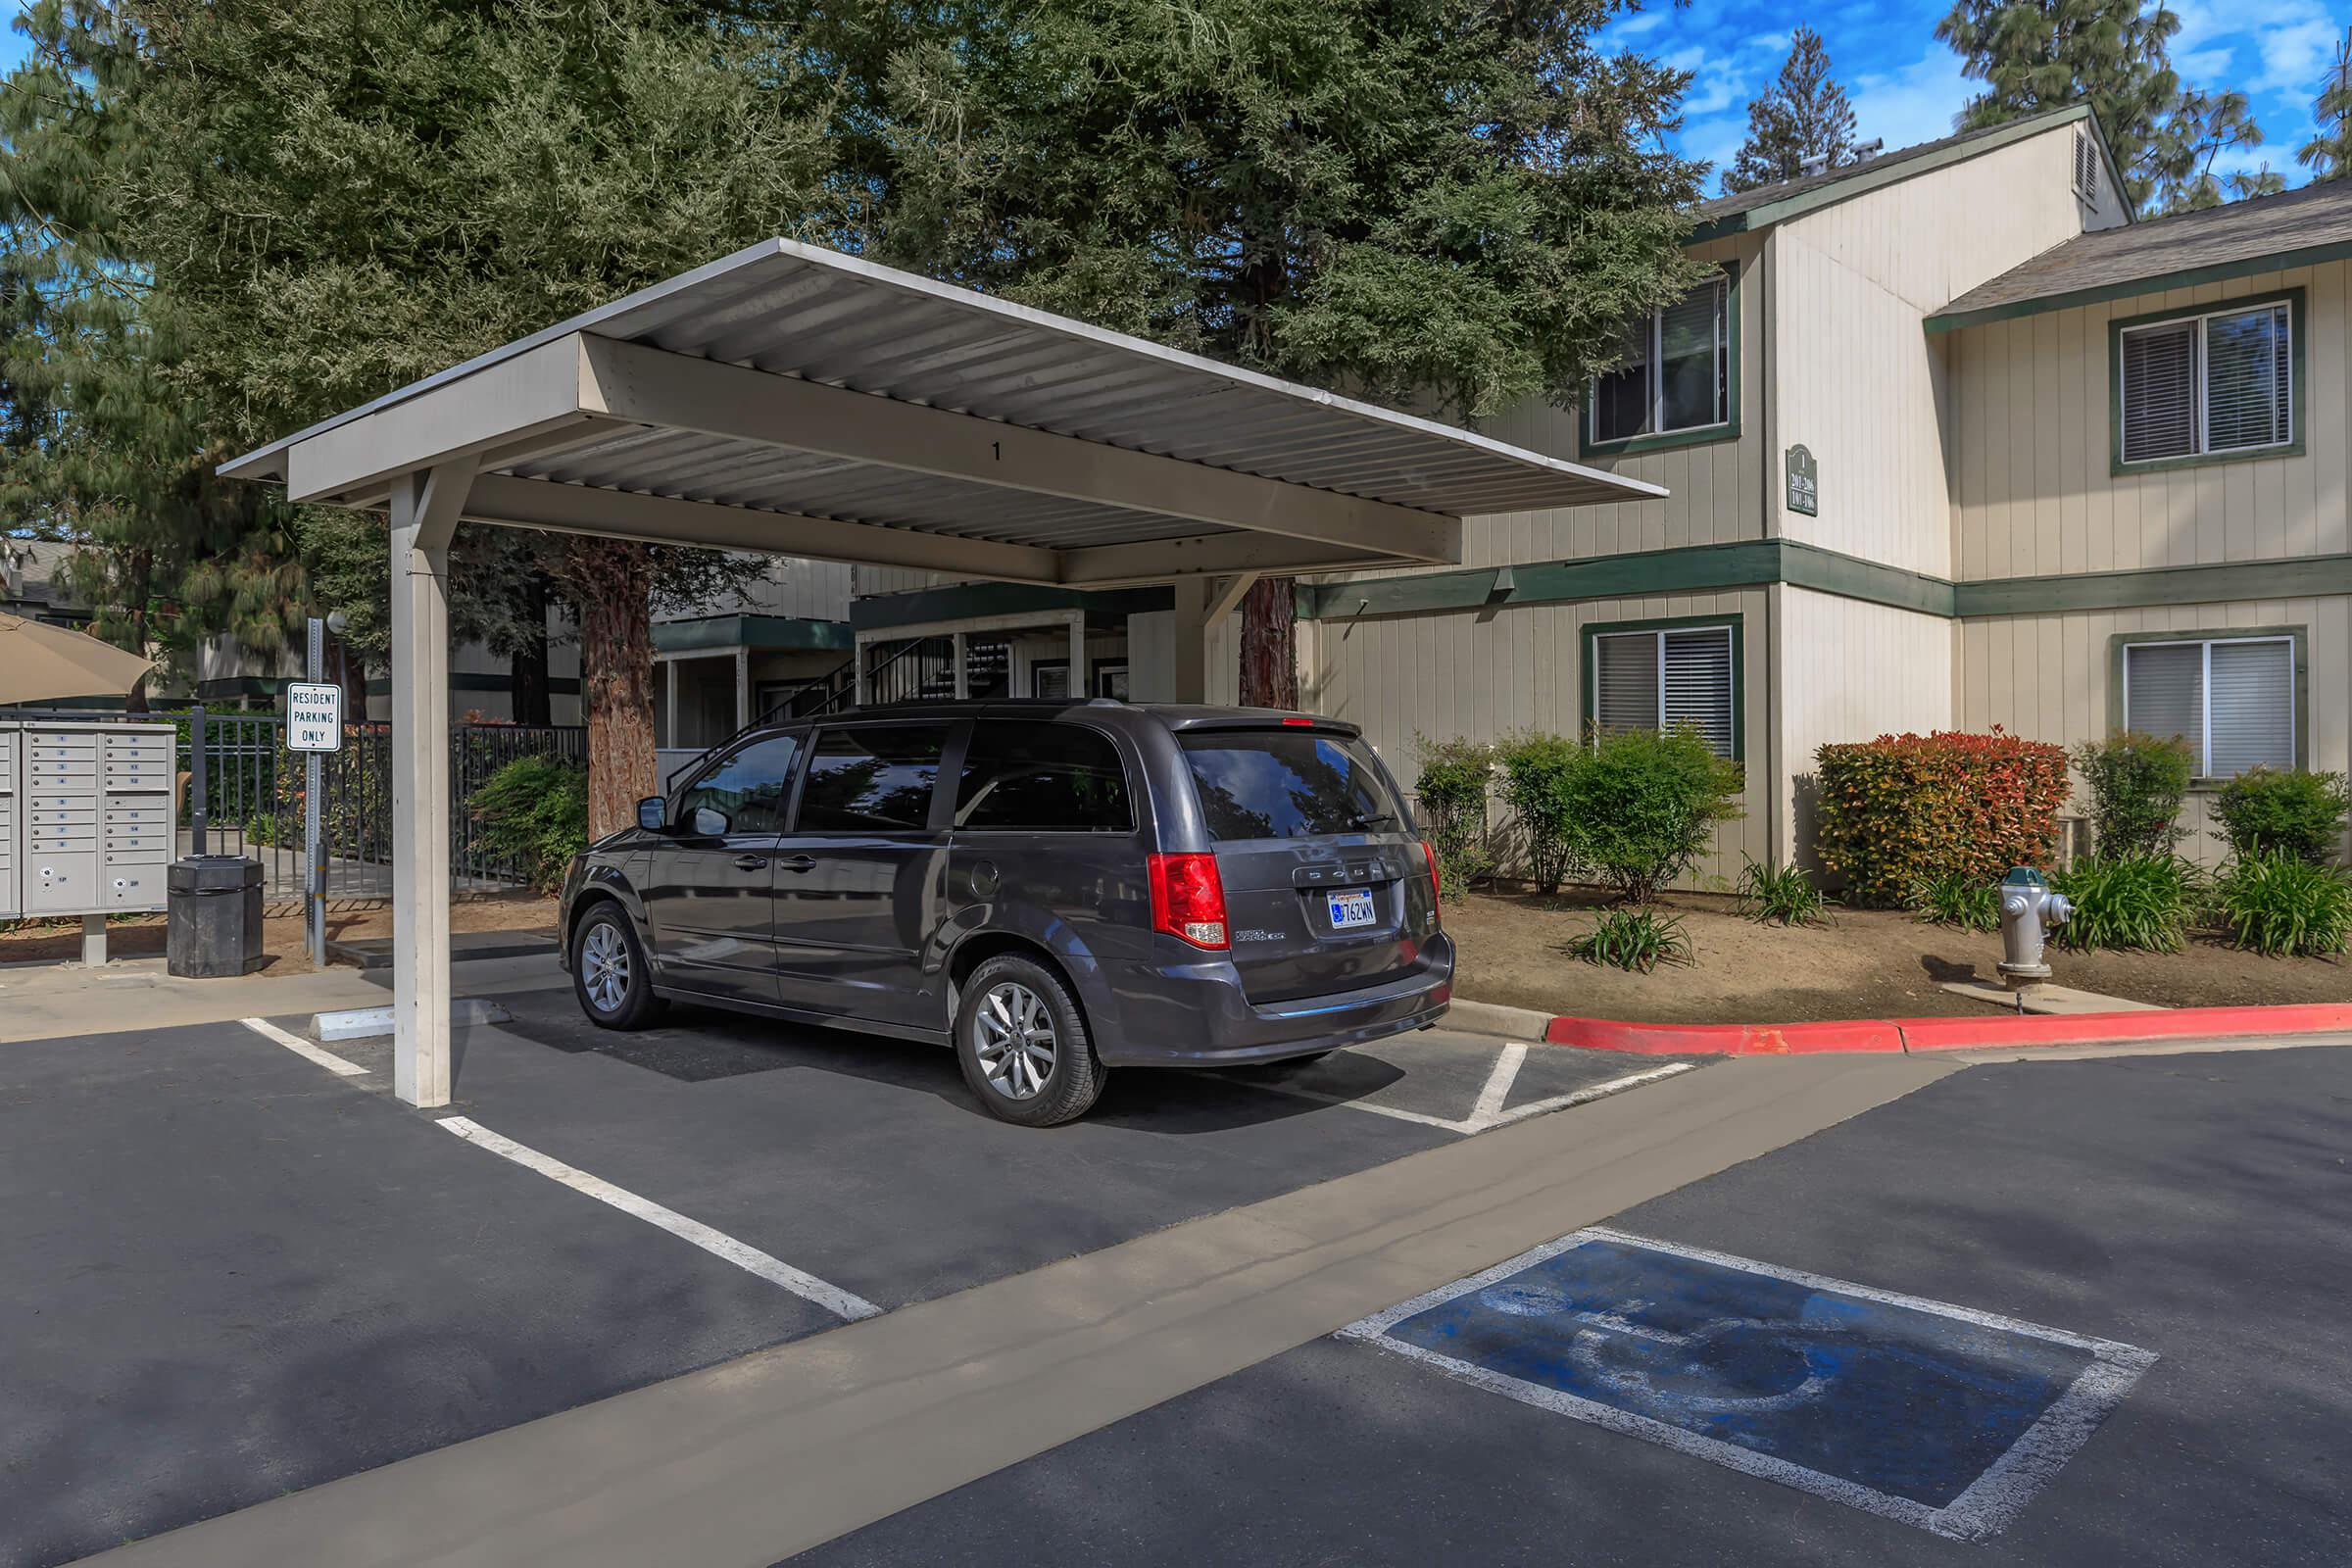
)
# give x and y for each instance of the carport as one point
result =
(793, 401)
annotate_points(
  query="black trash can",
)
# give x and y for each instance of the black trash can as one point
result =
(213, 924)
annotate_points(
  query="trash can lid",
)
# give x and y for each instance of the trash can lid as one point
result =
(213, 873)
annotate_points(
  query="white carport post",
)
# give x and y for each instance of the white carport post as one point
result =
(1202, 606)
(424, 514)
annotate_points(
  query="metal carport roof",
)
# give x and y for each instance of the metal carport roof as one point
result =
(791, 399)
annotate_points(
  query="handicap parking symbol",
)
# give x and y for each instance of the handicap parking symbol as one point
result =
(1935, 1416)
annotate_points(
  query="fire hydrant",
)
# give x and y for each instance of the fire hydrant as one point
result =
(2029, 910)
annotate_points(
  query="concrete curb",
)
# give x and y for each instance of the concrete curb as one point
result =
(1912, 1035)
(1488, 1019)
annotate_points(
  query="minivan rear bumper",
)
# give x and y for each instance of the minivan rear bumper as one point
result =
(1195, 1014)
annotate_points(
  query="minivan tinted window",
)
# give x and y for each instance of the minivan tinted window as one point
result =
(872, 779)
(1288, 784)
(1058, 778)
(747, 787)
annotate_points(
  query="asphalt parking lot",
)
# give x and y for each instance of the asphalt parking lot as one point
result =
(1927, 1281)
(236, 1273)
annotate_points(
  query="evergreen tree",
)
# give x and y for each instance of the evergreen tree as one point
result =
(1802, 119)
(2329, 154)
(2033, 55)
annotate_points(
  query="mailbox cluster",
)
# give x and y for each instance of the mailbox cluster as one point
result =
(85, 818)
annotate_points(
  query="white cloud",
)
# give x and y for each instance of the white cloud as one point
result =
(1913, 104)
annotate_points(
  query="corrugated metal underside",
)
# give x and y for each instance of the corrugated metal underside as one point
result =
(690, 467)
(810, 315)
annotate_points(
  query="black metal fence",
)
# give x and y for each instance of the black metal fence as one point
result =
(252, 796)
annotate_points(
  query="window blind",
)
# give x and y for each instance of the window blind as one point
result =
(2164, 692)
(2245, 379)
(2160, 391)
(1625, 680)
(2252, 692)
(1699, 683)
(1690, 338)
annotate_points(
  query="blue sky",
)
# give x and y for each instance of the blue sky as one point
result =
(1906, 86)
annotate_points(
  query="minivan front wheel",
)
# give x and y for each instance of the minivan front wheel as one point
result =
(609, 971)
(1023, 1043)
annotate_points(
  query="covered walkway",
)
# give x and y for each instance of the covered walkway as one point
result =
(794, 400)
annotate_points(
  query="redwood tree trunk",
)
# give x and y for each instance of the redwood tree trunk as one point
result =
(1270, 643)
(527, 668)
(611, 583)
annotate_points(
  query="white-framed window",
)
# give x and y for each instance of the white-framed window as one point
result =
(2220, 381)
(1676, 373)
(2233, 699)
(1669, 676)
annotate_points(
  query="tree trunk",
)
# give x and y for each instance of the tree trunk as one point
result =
(1270, 643)
(611, 584)
(527, 667)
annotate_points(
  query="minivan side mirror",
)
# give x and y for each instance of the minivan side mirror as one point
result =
(652, 813)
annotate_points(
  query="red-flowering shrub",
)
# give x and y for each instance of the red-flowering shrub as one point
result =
(1901, 809)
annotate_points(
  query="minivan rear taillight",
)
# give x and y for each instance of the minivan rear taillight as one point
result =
(1188, 898)
(1437, 889)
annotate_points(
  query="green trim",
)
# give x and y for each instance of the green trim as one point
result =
(1759, 562)
(2300, 636)
(1588, 700)
(1880, 173)
(766, 633)
(2296, 384)
(1728, 430)
(966, 600)
(2157, 284)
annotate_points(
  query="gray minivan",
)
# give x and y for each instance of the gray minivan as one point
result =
(1051, 888)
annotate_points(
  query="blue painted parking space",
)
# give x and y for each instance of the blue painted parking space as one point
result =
(1935, 1416)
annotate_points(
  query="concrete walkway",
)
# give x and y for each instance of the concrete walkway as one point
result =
(752, 1462)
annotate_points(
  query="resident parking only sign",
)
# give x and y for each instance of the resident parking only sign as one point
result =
(313, 718)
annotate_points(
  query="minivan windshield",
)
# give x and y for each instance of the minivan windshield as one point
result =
(1288, 784)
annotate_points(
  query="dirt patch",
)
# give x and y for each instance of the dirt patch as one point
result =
(143, 936)
(1867, 963)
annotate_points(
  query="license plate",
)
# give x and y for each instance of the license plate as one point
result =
(1350, 909)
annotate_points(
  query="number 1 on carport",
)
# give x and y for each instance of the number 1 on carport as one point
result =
(1351, 908)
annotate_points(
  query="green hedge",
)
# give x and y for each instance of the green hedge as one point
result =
(533, 815)
(1903, 812)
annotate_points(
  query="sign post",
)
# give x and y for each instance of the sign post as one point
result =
(313, 725)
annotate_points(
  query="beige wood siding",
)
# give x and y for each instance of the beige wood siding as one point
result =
(1152, 659)
(1850, 671)
(2047, 676)
(1857, 380)
(1483, 676)
(2031, 437)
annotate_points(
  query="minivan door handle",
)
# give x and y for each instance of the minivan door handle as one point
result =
(750, 862)
(797, 862)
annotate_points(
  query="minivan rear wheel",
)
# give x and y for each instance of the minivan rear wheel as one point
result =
(1024, 1045)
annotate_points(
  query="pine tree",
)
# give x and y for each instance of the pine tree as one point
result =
(2033, 55)
(2329, 154)
(1803, 119)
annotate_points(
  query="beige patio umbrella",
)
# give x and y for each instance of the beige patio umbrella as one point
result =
(44, 663)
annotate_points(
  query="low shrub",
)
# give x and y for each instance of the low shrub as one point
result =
(1903, 810)
(2298, 814)
(1455, 778)
(2138, 902)
(1962, 899)
(1786, 896)
(1638, 806)
(532, 814)
(2137, 784)
(2281, 905)
(1534, 766)
(1638, 940)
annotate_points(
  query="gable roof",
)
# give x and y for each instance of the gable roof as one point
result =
(2266, 234)
(1744, 211)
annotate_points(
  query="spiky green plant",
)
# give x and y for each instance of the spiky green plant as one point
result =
(2138, 902)
(2281, 905)
(1634, 939)
(1782, 897)
(1956, 898)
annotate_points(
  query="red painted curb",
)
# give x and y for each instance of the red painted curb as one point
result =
(1997, 1032)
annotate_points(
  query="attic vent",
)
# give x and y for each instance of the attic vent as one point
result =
(2086, 170)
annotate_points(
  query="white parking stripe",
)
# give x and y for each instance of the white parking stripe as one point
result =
(832, 1297)
(1499, 1083)
(1632, 1080)
(304, 1049)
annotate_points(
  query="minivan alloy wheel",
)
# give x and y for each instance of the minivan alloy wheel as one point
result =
(1014, 1040)
(605, 967)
